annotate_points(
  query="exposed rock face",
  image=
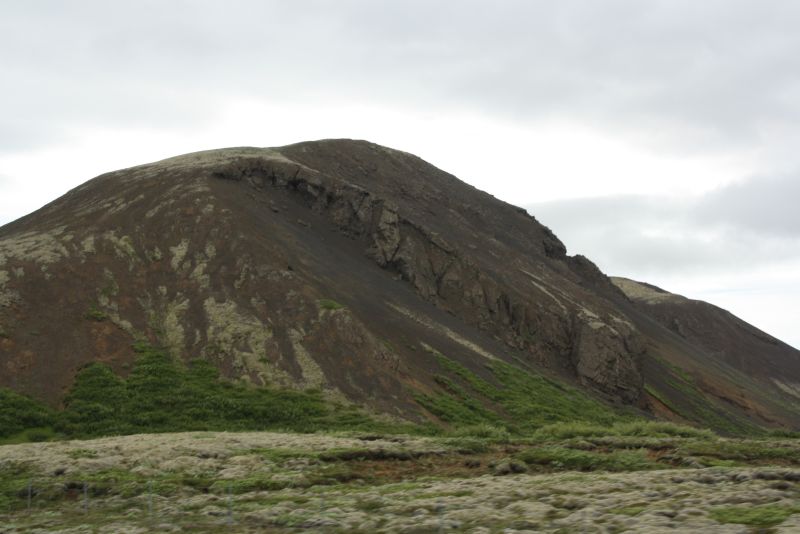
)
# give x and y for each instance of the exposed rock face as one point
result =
(443, 272)
(601, 358)
(328, 265)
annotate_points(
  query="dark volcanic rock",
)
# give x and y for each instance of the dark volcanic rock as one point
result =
(333, 264)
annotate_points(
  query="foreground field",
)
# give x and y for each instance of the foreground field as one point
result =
(557, 481)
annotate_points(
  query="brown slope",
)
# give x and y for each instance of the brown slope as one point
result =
(701, 351)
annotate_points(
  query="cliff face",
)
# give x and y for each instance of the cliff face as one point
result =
(339, 265)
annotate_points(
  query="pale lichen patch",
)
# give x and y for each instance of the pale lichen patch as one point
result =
(179, 253)
(244, 275)
(87, 245)
(594, 321)
(39, 247)
(123, 246)
(110, 286)
(155, 209)
(791, 388)
(173, 327)
(5, 296)
(118, 204)
(537, 282)
(444, 330)
(641, 292)
(154, 254)
(313, 376)
(243, 338)
(125, 325)
(199, 274)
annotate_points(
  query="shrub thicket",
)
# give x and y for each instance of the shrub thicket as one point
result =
(162, 394)
(18, 413)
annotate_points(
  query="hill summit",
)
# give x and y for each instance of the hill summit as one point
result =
(373, 277)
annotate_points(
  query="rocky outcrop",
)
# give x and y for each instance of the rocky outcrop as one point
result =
(607, 357)
(603, 356)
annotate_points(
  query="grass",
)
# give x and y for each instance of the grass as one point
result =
(629, 510)
(484, 431)
(653, 392)
(468, 445)
(655, 429)
(82, 453)
(96, 314)
(329, 304)
(695, 406)
(517, 401)
(562, 458)
(768, 515)
(743, 451)
(14, 480)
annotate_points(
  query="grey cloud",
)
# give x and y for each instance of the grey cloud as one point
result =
(765, 205)
(735, 228)
(679, 72)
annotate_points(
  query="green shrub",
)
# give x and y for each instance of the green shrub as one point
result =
(96, 314)
(468, 445)
(783, 433)
(95, 404)
(651, 429)
(569, 430)
(38, 435)
(738, 450)
(758, 516)
(162, 394)
(579, 460)
(19, 413)
(328, 304)
(661, 429)
(485, 431)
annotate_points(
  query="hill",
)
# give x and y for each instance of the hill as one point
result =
(368, 276)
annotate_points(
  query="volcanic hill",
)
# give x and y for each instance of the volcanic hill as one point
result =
(368, 274)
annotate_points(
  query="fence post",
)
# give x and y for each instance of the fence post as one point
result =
(230, 506)
(149, 498)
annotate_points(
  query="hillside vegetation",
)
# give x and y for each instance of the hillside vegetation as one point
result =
(162, 394)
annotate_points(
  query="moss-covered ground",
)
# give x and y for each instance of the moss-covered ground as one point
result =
(565, 477)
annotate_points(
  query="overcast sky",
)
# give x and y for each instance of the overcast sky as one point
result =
(659, 138)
